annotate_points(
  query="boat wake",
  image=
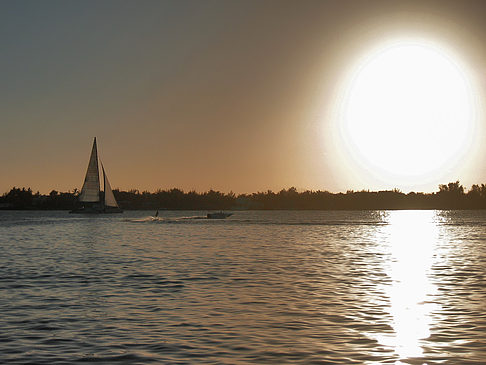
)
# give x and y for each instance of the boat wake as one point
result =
(166, 219)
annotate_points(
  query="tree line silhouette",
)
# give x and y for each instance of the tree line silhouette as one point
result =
(450, 196)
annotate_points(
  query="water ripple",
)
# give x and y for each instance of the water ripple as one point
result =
(260, 287)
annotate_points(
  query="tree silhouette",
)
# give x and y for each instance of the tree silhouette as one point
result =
(449, 196)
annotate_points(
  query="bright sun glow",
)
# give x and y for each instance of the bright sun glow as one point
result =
(408, 114)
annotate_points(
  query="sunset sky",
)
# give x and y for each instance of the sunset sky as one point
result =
(231, 95)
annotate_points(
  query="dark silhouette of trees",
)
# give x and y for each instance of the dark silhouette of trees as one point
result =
(23, 198)
(453, 189)
(20, 198)
(449, 196)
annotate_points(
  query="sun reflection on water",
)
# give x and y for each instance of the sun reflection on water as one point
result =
(411, 237)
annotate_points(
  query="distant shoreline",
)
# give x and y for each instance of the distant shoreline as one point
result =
(449, 196)
(245, 210)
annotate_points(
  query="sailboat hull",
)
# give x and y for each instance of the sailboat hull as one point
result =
(109, 210)
(95, 208)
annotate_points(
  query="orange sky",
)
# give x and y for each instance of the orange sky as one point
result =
(197, 94)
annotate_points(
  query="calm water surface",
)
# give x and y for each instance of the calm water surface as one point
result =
(260, 287)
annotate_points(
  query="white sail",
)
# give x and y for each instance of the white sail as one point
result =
(110, 200)
(91, 187)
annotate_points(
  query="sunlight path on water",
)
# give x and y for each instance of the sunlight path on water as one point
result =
(411, 237)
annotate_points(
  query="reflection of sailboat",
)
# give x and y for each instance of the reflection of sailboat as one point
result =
(91, 199)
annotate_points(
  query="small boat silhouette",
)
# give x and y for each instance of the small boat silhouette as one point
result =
(219, 215)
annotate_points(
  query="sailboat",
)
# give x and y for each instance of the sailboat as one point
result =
(91, 199)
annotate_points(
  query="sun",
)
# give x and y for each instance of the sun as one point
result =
(408, 114)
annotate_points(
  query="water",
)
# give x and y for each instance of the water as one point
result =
(260, 287)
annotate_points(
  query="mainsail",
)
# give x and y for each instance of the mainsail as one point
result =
(90, 193)
(110, 200)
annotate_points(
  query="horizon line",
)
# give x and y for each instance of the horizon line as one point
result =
(291, 188)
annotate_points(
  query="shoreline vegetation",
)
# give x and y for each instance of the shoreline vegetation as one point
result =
(449, 196)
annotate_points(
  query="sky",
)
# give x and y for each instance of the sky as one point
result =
(225, 95)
